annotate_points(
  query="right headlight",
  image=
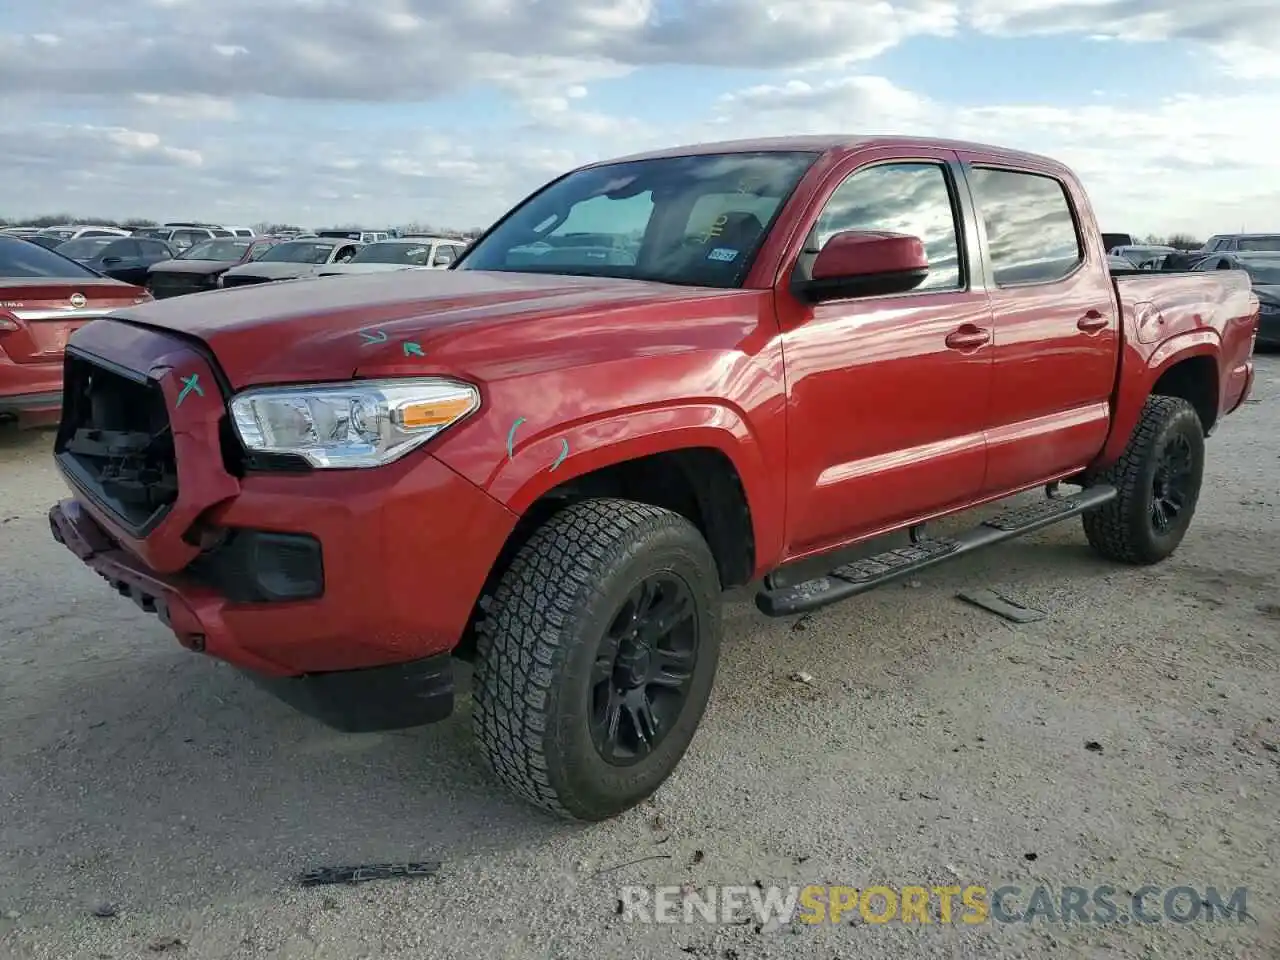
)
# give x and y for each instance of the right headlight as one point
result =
(362, 423)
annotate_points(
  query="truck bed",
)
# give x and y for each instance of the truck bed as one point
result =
(1157, 306)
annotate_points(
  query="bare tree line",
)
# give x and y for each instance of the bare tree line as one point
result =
(1179, 241)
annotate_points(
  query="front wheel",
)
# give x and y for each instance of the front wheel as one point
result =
(597, 656)
(1158, 478)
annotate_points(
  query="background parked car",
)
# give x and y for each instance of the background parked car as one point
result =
(51, 237)
(1264, 271)
(1243, 243)
(200, 267)
(1140, 253)
(181, 238)
(122, 258)
(1180, 260)
(44, 297)
(429, 253)
(362, 236)
(290, 260)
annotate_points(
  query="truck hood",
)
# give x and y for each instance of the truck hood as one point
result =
(191, 266)
(338, 269)
(407, 321)
(275, 269)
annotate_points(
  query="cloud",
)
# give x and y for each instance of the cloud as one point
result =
(411, 50)
(200, 108)
(1241, 34)
(348, 110)
(1177, 164)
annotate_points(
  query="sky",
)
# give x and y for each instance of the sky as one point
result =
(386, 112)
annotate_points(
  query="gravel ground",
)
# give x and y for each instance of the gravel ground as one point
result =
(935, 744)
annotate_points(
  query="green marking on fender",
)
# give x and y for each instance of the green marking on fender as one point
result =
(379, 337)
(511, 438)
(564, 452)
(188, 385)
(411, 349)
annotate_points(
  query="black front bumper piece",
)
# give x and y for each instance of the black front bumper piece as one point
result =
(373, 699)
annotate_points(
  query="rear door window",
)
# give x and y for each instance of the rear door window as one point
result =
(1031, 231)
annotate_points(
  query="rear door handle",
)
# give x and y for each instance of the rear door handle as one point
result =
(968, 337)
(1092, 322)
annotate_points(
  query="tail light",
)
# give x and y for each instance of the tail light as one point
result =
(8, 322)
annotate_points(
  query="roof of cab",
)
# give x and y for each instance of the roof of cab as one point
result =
(834, 144)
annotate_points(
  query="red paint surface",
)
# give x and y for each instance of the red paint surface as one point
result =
(843, 420)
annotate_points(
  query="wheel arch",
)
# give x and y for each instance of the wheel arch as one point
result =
(1186, 366)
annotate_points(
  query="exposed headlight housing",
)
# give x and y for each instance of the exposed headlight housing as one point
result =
(361, 423)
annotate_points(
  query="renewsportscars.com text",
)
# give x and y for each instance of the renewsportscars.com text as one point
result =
(968, 905)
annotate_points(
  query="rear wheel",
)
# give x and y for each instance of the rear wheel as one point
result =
(597, 656)
(1158, 478)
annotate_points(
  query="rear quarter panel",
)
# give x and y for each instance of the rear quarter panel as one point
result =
(1170, 318)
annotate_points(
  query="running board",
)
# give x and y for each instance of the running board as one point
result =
(863, 575)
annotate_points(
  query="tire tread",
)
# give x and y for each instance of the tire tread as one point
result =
(1109, 528)
(521, 641)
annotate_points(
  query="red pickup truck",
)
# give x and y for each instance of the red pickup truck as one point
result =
(768, 362)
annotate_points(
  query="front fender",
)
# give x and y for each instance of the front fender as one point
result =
(1141, 367)
(540, 457)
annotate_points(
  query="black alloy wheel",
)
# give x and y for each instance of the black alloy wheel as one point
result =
(643, 669)
(1171, 486)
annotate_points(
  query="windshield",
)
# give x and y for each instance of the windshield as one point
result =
(19, 258)
(692, 220)
(296, 251)
(1263, 274)
(86, 248)
(216, 250)
(411, 254)
(1258, 243)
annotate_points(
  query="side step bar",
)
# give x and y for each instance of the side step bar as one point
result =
(863, 575)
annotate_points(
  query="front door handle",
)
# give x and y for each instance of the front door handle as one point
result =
(968, 337)
(1092, 322)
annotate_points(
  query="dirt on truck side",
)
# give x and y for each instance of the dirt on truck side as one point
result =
(552, 459)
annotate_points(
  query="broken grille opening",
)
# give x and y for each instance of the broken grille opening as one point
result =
(116, 439)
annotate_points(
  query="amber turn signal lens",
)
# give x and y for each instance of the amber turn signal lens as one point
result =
(434, 413)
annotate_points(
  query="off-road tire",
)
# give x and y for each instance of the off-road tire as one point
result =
(537, 643)
(1122, 529)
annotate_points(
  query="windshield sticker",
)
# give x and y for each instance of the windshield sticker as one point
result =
(189, 384)
(379, 336)
(717, 227)
(723, 254)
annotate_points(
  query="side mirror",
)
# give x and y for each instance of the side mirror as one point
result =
(864, 264)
